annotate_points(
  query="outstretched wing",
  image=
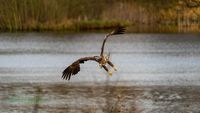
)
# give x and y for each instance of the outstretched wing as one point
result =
(74, 68)
(118, 30)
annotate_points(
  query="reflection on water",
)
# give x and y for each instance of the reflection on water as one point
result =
(59, 98)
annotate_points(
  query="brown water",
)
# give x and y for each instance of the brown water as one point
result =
(157, 73)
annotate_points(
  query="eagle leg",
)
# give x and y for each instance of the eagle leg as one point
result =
(112, 65)
(109, 72)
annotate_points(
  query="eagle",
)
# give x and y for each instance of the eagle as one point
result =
(102, 60)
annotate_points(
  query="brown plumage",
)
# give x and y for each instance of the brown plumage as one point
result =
(118, 30)
(74, 68)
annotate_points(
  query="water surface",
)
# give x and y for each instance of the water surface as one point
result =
(141, 58)
(157, 73)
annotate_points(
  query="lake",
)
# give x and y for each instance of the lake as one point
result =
(156, 73)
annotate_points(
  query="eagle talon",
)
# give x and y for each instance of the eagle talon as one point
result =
(110, 73)
(115, 68)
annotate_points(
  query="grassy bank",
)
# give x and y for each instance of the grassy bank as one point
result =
(61, 15)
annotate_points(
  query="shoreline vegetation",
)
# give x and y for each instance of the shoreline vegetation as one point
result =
(81, 15)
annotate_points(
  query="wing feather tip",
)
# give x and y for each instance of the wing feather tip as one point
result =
(119, 30)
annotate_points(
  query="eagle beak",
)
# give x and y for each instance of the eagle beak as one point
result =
(100, 65)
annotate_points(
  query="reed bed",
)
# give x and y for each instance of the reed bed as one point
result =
(61, 15)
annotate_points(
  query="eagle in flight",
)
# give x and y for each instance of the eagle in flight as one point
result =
(74, 68)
